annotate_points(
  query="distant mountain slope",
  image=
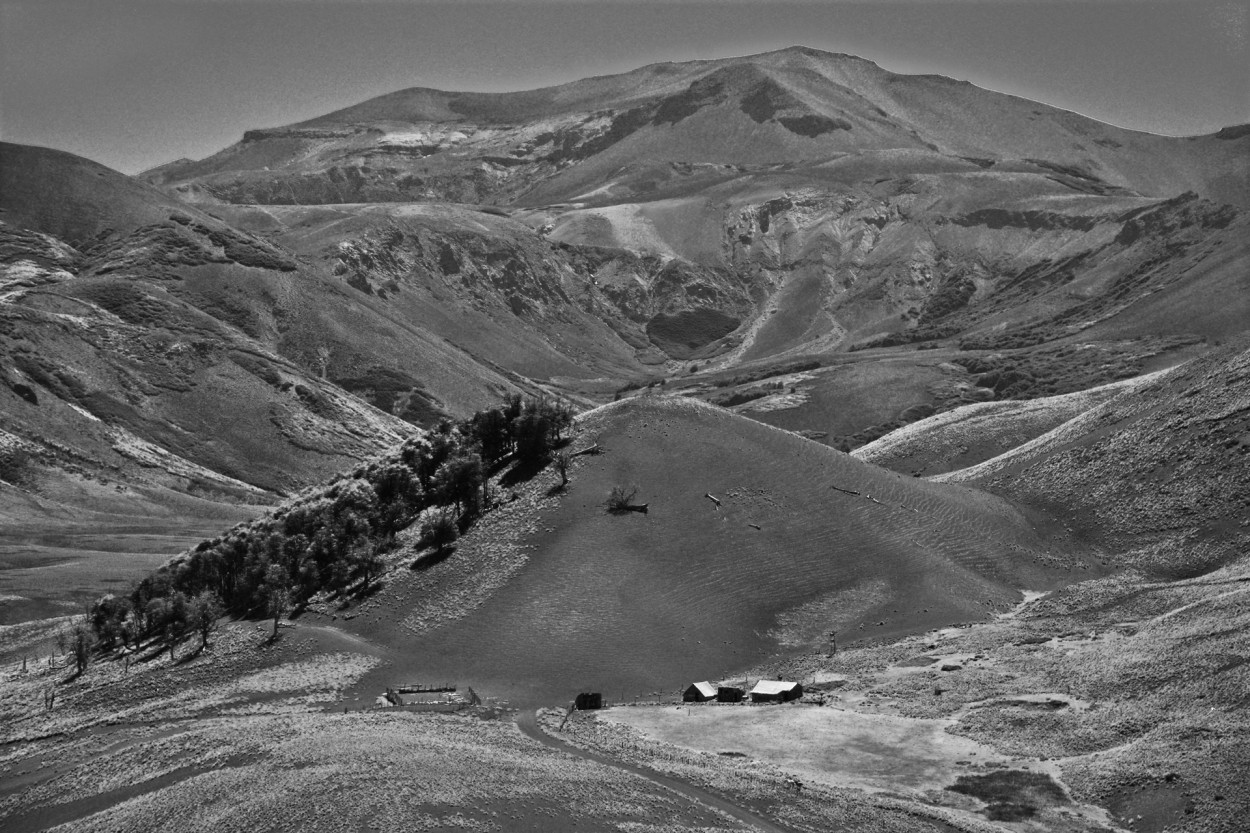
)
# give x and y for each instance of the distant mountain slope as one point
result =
(778, 107)
(1158, 476)
(858, 206)
(498, 289)
(156, 262)
(971, 434)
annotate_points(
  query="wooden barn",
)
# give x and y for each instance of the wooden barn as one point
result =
(699, 692)
(776, 691)
(729, 694)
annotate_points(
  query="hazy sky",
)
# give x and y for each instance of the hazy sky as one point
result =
(133, 84)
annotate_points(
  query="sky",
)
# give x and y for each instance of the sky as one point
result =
(136, 83)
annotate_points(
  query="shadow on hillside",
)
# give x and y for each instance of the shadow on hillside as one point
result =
(430, 559)
(522, 472)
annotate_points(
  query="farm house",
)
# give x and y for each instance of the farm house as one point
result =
(776, 691)
(699, 692)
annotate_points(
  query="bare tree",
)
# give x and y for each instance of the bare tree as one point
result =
(323, 359)
(621, 499)
(561, 461)
(279, 600)
(83, 642)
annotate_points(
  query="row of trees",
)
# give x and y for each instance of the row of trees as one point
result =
(332, 540)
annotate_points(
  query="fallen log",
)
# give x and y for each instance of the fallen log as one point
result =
(712, 498)
(594, 449)
(637, 507)
(845, 491)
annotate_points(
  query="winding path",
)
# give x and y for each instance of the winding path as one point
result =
(527, 722)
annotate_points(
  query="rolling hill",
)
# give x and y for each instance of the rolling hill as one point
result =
(553, 593)
(1155, 476)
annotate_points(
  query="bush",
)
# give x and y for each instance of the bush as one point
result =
(440, 532)
(621, 498)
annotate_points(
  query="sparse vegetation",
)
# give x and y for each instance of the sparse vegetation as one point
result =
(1010, 795)
(767, 372)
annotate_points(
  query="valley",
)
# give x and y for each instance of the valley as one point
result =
(612, 387)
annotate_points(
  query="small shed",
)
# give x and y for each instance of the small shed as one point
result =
(729, 694)
(776, 691)
(588, 700)
(699, 692)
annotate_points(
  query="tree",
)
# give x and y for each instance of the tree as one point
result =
(277, 594)
(279, 601)
(175, 620)
(491, 432)
(107, 616)
(205, 612)
(83, 643)
(440, 531)
(460, 480)
(561, 461)
(367, 563)
(324, 354)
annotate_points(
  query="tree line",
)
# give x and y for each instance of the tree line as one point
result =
(332, 540)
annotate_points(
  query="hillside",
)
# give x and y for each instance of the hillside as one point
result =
(553, 594)
(1155, 477)
(972, 434)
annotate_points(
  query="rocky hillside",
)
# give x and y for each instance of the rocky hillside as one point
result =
(776, 205)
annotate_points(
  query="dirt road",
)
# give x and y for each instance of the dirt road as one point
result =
(527, 722)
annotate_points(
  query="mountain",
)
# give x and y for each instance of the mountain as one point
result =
(588, 139)
(811, 202)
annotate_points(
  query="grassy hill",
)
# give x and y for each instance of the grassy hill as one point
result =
(1155, 476)
(972, 434)
(554, 594)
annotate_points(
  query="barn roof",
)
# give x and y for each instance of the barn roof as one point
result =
(705, 688)
(773, 687)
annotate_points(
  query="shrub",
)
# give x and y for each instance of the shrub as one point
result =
(621, 498)
(440, 532)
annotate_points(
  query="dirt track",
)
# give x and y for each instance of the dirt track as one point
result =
(527, 722)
